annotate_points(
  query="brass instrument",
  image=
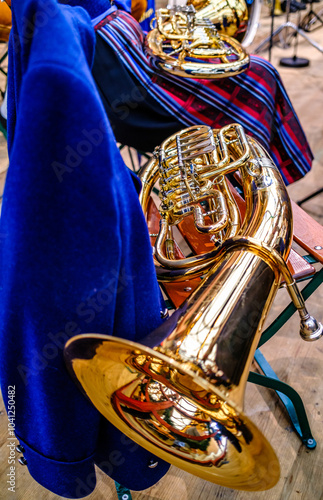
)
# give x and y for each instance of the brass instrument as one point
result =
(236, 18)
(5, 21)
(180, 393)
(229, 16)
(188, 46)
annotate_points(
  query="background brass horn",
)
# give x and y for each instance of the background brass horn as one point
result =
(180, 393)
(191, 47)
(236, 18)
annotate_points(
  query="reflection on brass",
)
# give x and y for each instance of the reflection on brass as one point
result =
(188, 46)
(180, 393)
(277, 6)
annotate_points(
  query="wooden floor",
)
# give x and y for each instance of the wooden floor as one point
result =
(296, 362)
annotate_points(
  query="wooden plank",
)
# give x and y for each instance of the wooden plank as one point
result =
(308, 233)
(298, 266)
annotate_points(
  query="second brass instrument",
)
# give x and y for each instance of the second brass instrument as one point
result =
(188, 46)
(236, 18)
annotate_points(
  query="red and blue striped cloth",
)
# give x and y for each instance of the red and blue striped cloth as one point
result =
(256, 98)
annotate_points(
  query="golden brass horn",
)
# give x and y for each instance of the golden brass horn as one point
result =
(180, 393)
(236, 18)
(188, 46)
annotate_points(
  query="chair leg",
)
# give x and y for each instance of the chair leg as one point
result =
(3, 130)
(289, 397)
(122, 492)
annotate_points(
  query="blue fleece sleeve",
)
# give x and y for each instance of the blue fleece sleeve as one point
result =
(123, 5)
(71, 229)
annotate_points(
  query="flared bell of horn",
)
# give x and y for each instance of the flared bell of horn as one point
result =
(183, 400)
(169, 409)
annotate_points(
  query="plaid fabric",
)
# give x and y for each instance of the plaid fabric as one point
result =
(256, 98)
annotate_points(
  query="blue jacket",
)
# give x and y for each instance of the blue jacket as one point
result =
(75, 252)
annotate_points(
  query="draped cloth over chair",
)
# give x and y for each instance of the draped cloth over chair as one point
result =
(75, 253)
